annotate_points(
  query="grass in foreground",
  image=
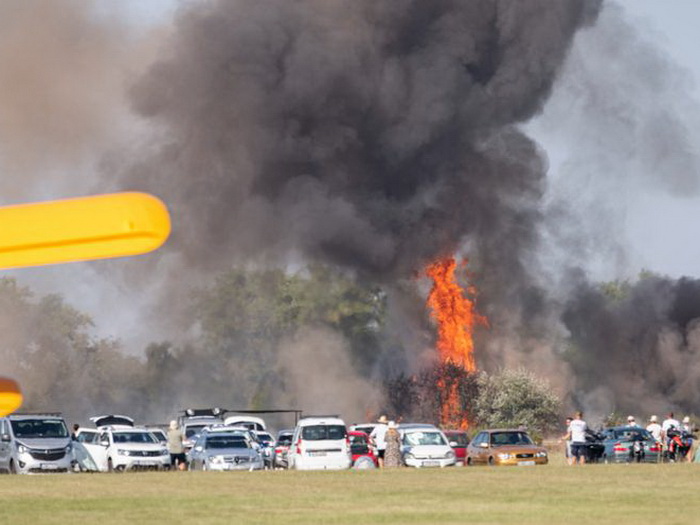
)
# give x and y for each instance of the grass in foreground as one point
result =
(552, 494)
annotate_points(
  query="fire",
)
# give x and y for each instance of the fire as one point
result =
(456, 317)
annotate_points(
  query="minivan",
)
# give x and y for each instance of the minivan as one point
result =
(35, 443)
(319, 443)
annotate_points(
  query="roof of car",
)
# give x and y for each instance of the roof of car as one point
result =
(417, 426)
(320, 420)
(54, 415)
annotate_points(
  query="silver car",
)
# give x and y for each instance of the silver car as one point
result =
(35, 443)
(225, 450)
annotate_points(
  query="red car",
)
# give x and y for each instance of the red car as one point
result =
(361, 448)
(458, 440)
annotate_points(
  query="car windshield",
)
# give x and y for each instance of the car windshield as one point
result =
(359, 445)
(191, 430)
(321, 432)
(632, 434)
(226, 442)
(159, 435)
(460, 438)
(510, 438)
(284, 439)
(134, 437)
(421, 437)
(264, 437)
(39, 428)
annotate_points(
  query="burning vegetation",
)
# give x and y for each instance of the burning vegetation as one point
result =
(455, 315)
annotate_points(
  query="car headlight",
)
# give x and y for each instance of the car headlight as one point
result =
(164, 452)
(123, 452)
(450, 455)
(22, 449)
(506, 456)
(69, 448)
(541, 454)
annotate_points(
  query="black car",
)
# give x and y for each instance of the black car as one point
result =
(595, 448)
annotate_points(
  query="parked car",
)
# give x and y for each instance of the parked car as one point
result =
(361, 451)
(249, 422)
(267, 446)
(121, 447)
(284, 439)
(224, 449)
(505, 447)
(367, 428)
(424, 445)
(319, 443)
(458, 440)
(35, 443)
(194, 420)
(629, 445)
(595, 446)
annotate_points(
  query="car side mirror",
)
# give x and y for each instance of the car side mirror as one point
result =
(198, 449)
(104, 443)
(5, 438)
(453, 444)
(483, 444)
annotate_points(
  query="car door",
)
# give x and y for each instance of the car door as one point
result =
(94, 442)
(476, 453)
(5, 442)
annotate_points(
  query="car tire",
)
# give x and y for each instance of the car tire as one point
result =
(469, 462)
(110, 465)
(492, 462)
(13, 468)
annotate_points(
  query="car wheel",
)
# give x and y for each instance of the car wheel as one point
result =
(492, 461)
(110, 465)
(605, 459)
(469, 462)
(13, 468)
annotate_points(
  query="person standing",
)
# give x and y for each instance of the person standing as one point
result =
(631, 422)
(392, 452)
(655, 430)
(577, 435)
(567, 441)
(378, 436)
(176, 447)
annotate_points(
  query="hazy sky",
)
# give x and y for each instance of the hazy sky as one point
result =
(663, 232)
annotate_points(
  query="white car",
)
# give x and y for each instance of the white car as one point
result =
(425, 445)
(122, 447)
(249, 422)
(319, 443)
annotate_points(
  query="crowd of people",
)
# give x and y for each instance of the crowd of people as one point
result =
(663, 434)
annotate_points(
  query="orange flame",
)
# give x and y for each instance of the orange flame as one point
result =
(456, 317)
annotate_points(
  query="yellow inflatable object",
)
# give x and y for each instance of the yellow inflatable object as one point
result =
(79, 229)
(10, 396)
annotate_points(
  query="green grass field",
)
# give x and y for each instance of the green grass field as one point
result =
(552, 494)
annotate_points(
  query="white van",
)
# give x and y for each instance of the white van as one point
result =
(319, 443)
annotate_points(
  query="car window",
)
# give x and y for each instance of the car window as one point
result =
(191, 430)
(133, 437)
(284, 439)
(226, 442)
(632, 434)
(421, 438)
(38, 428)
(460, 438)
(510, 438)
(322, 432)
(87, 437)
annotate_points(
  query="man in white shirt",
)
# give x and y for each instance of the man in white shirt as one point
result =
(670, 422)
(378, 437)
(577, 435)
(654, 428)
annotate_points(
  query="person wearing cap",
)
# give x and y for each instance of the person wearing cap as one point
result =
(378, 437)
(655, 430)
(631, 422)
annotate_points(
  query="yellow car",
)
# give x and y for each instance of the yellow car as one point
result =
(505, 447)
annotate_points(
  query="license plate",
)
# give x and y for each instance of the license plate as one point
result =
(317, 453)
(49, 466)
(431, 463)
(525, 463)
